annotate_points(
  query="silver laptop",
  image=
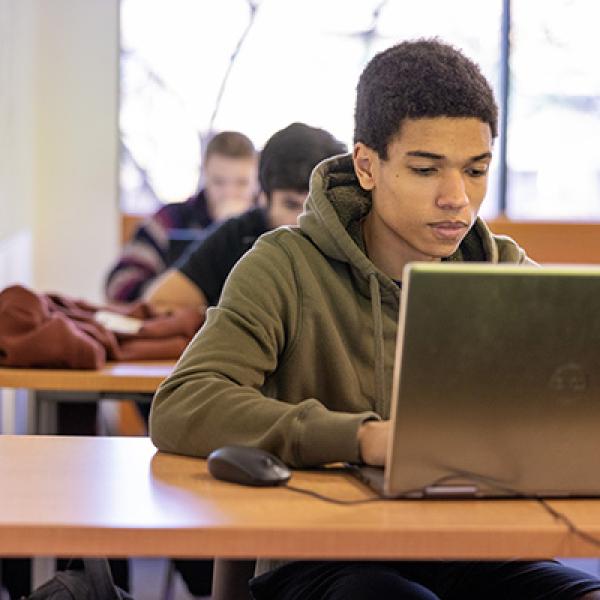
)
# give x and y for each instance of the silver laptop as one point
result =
(497, 383)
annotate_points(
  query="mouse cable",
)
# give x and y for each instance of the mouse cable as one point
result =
(560, 516)
(340, 501)
(331, 500)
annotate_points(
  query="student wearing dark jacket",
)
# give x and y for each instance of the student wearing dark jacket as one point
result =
(285, 165)
(297, 357)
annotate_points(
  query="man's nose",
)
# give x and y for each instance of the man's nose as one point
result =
(452, 192)
(232, 191)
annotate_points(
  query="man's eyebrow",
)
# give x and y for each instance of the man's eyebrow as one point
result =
(433, 156)
(481, 157)
(422, 154)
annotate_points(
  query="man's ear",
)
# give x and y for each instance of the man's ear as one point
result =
(365, 164)
(263, 200)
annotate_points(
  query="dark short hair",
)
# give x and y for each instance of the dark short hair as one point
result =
(232, 144)
(418, 79)
(290, 155)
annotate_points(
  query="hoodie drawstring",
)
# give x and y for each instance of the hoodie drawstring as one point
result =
(379, 344)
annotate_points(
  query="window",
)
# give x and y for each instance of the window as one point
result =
(300, 61)
(554, 111)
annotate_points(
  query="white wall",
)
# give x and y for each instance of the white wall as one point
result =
(76, 213)
(17, 162)
(59, 141)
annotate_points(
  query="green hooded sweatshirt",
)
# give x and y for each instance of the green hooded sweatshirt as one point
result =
(300, 350)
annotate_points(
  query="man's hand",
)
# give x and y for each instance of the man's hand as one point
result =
(373, 439)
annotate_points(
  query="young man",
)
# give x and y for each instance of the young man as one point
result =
(229, 171)
(297, 358)
(285, 165)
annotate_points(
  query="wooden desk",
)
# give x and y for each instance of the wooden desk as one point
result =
(115, 496)
(139, 377)
(115, 379)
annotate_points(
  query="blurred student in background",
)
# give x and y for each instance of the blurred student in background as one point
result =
(285, 165)
(230, 186)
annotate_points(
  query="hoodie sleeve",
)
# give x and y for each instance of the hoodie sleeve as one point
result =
(213, 398)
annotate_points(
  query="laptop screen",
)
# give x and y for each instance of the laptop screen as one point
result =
(497, 380)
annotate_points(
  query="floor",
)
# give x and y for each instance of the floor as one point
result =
(589, 565)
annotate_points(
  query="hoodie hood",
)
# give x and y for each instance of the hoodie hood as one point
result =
(333, 211)
(336, 205)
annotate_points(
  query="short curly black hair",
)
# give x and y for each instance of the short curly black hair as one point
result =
(418, 79)
(290, 155)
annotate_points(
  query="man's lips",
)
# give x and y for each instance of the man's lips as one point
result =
(449, 230)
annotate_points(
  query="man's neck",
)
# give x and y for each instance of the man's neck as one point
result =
(386, 250)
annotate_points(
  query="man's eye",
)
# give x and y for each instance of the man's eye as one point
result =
(423, 170)
(477, 172)
(292, 205)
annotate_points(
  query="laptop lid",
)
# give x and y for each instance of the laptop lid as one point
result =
(497, 382)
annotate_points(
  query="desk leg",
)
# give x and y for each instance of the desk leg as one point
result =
(230, 579)
(45, 410)
(31, 412)
(8, 416)
(43, 568)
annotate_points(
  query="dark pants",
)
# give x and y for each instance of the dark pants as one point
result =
(432, 580)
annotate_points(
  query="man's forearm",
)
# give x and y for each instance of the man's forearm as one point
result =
(174, 290)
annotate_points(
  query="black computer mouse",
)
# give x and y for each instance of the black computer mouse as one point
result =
(248, 466)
